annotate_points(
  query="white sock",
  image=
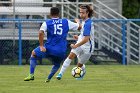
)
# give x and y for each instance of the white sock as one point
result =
(65, 66)
(83, 67)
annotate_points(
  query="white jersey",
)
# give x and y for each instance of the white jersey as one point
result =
(87, 30)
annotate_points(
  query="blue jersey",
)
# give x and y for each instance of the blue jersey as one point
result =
(57, 30)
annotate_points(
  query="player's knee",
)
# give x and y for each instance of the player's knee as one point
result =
(71, 55)
(33, 54)
(33, 57)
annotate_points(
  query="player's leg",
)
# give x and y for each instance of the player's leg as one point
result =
(32, 67)
(81, 66)
(66, 65)
(83, 58)
(36, 55)
(56, 65)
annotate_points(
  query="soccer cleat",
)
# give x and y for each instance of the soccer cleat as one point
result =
(79, 78)
(59, 76)
(30, 77)
(47, 80)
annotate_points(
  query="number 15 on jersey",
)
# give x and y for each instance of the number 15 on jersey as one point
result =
(58, 29)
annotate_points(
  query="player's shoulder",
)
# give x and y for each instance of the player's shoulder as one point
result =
(48, 21)
(65, 19)
(89, 21)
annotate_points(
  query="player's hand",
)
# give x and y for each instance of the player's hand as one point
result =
(77, 20)
(75, 37)
(42, 48)
(73, 46)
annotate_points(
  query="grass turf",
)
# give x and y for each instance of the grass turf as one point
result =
(98, 79)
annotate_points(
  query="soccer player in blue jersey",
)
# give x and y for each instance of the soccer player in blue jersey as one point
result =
(85, 42)
(56, 44)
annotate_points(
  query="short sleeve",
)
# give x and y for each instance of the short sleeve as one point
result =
(87, 29)
(72, 25)
(43, 27)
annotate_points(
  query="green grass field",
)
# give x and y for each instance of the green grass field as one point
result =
(98, 79)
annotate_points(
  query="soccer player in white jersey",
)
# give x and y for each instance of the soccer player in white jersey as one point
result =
(56, 45)
(85, 42)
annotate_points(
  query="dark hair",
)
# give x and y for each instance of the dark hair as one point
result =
(54, 11)
(89, 9)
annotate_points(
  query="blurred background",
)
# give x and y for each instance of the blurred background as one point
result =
(116, 41)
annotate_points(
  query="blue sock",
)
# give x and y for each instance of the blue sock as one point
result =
(33, 62)
(54, 70)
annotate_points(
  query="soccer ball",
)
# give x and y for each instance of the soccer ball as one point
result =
(77, 72)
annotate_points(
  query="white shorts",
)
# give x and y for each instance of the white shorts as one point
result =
(82, 55)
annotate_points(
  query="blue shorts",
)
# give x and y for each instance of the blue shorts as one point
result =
(39, 53)
(51, 52)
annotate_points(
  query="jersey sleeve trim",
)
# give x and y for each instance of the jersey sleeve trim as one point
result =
(43, 27)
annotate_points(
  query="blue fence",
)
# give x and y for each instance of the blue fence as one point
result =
(122, 21)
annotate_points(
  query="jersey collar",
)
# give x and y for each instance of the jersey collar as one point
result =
(87, 20)
(55, 18)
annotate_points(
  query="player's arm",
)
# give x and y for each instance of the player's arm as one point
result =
(84, 40)
(41, 37)
(78, 21)
(74, 26)
(75, 37)
(86, 33)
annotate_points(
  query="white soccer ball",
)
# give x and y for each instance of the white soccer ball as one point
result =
(77, 72)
